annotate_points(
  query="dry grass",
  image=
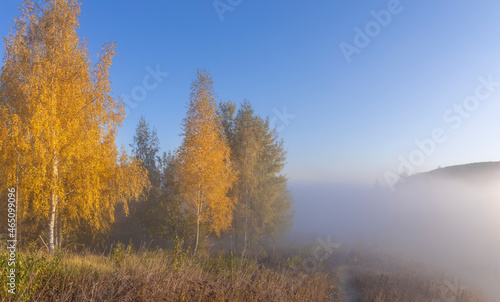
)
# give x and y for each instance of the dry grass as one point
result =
(381, 277)
(160, 276)
(410, 288)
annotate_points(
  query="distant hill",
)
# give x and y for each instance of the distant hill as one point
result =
(474, 172)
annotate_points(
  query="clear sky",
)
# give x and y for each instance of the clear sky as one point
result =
(353, 120)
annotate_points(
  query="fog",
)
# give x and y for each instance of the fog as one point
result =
(451, 223)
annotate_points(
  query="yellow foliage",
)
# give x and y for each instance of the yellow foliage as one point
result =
(58, 123)
(206, 174)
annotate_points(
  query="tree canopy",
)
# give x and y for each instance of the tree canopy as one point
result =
(58, 125)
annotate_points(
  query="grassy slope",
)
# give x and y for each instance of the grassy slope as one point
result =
(160, 276)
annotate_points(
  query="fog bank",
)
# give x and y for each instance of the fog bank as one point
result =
(450, 223)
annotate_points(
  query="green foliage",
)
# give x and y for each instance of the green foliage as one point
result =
(145, 147)
(263, 208)
(34, 269)
(119, 252)
(178, 254)
(225, 264)
(158, 210)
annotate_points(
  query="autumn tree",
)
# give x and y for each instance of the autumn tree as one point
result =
(205, 171)
(263, 207)
(58, 124)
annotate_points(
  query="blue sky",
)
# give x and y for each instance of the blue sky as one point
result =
(353, 121)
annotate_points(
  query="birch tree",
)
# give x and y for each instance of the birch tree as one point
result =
(58, 124)
(205, 171)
